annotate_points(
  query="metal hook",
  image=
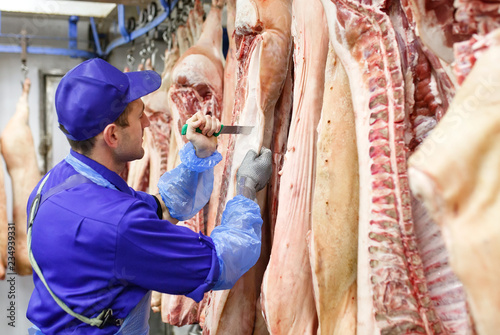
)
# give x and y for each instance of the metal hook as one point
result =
(169, 45)
(130, 56)
(152, 50)
(24, 71)
(24, 55)
(144, 52)
(130, 61)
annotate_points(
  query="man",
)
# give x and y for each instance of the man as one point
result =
(98, 247)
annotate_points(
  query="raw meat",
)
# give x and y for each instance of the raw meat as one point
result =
(184, 38)
(4, 224)
(392, 290)
(334, 232)
(445, 290)
(288, 273)
(282, 116)
(479, 16)
(178, 310)
(156, 301)
(468, 52)
(18, 150)
(138, 170)
(196, 20)
(260, 35)
(435, 24)
(230, 69)
(455, 173)
(227, 114)
(428, 90)
(157, 109)
(198, 76)
(197, 86)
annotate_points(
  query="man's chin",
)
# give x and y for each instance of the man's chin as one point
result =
(137, 157)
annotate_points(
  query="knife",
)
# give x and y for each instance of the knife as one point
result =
(243, 130)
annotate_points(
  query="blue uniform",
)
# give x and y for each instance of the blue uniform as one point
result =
(101, 247)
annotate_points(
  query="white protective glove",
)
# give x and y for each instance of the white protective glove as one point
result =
(254, 173)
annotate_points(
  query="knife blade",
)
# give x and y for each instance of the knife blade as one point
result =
(242, 130)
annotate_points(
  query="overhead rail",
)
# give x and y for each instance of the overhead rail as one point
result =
(134, 34)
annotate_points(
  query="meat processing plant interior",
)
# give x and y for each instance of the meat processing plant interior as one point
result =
(249, 167)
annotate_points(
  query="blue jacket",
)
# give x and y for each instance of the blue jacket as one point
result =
(99, 248)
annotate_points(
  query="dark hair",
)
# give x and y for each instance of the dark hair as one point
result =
(85, 147)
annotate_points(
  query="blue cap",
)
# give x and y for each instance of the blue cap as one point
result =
(95, 93)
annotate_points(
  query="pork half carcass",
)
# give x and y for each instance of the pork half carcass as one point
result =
(4, 224)
(455, 173)
(334, 230)
(392, 289)
(428, 93)
(263, 44)
(18, 150)
(197, 84)
(288, 274)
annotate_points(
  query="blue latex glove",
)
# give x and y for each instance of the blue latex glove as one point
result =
(237, 240)
(187, 188)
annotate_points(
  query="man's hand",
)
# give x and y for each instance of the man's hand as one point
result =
(205, 144)
(254, 172)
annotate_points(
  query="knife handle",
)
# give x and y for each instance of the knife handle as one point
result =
(198, 130)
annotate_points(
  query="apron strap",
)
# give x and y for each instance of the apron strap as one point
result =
(106, 316)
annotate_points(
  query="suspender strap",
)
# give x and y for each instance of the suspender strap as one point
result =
(106, 316)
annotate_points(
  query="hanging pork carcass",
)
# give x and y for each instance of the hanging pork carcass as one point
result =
(334, 232)
(288, 273)
(263, 43)
(393, 290)
(455, 173)
(197, 85)
(18, 149)
(198, 76)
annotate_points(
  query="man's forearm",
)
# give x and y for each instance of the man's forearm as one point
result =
(165, 211)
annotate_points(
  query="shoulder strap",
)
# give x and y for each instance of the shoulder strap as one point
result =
(106, 316)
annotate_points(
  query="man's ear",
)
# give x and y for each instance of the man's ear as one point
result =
(110, 135)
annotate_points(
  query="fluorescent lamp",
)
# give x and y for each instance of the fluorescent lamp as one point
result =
(58, 7)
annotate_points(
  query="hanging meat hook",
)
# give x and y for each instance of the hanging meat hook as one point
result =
(130, 56)
(144, 52)
(24, 56)
(152, 50)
